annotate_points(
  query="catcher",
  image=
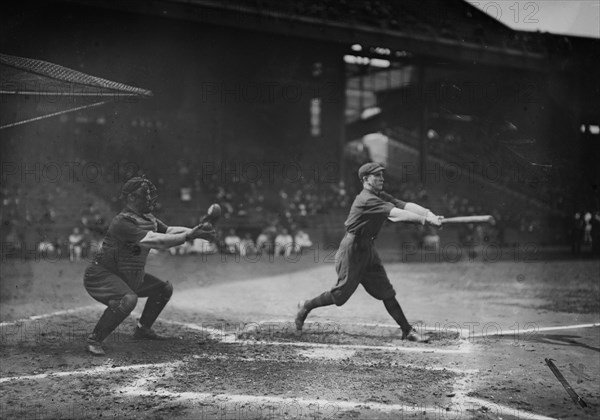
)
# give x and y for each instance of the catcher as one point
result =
(357, 261)
(116, 277)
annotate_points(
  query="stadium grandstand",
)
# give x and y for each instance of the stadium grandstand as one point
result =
(269, 107)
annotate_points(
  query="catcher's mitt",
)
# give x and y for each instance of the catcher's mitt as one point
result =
(204, 231)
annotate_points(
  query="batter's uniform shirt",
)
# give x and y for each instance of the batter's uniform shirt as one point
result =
(357, 260)
(119, 267)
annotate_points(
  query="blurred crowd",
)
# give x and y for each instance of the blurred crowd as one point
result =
(585, 232)
(272, 240)
(271, 217)
(263, 201)
(264, 215)
(50, 219)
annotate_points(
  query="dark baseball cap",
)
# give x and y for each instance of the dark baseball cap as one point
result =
(369, 168)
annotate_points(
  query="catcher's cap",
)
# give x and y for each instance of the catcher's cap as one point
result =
(369, 168)
(135, 184)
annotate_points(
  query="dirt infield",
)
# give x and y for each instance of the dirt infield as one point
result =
(232, 351)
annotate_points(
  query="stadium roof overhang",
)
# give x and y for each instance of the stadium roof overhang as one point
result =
(428, 47)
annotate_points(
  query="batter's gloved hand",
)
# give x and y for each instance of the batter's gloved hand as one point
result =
(433, 220)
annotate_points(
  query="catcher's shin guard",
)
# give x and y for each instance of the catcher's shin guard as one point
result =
(155, 305)
(116, 312)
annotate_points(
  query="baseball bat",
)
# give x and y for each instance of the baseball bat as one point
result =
(468, 219)
(574, 396)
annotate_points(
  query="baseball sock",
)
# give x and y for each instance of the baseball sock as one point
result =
(324, 299)
(394, 309)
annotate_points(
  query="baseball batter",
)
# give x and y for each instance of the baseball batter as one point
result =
(117, 277)
(357, 261)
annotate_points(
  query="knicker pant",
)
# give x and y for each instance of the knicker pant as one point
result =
(112, 291)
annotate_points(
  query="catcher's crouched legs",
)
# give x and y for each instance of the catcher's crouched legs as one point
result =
(154, 306)
(112, 317)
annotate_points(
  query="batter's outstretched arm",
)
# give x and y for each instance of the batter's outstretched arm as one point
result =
(399, 215)
(417, 209)
(430, 217)
(408, 206)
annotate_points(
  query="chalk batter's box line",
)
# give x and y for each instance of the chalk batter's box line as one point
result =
(237, 398)
(248, 398)
(226, 338)
(463, 332)
(91, 371)
(243, 400)
(205, 356)
(49, 315)
(466, 334)
(454, 408)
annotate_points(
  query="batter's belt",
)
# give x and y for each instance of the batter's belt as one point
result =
(363, 239)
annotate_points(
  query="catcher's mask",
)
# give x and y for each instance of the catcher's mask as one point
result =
(142, 187)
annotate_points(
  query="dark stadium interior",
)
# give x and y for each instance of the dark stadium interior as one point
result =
(234, 85)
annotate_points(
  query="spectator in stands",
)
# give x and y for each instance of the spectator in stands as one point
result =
(301, 241)
(431, 240)
(87, 215)
(88, 239)
(76, 244)
(247, 246)
(577, 228)
(47, 249)
(264, 242)
(200, 246)
(232, 242)
(227, 206)
(284, 243)
(595, 222)
(185, 194)
(587, 228)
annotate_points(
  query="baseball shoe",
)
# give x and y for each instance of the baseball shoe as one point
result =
(94, 346)
(414, 336)
(145, 333)
(301, 315)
